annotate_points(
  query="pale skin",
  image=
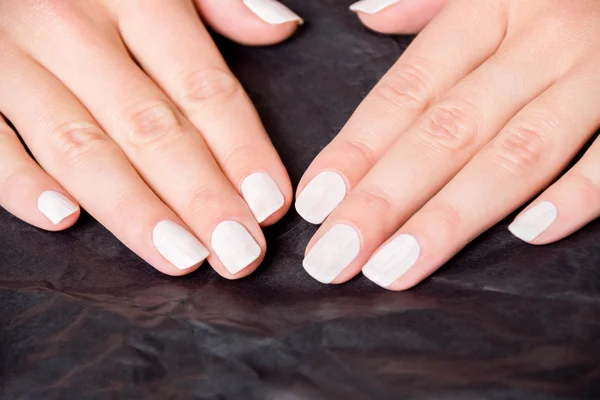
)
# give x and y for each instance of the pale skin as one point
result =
(482, 112)
(170, 138)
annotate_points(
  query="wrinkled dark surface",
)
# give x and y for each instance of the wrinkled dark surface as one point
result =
(83, 318)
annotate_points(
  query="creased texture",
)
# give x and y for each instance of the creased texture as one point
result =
(81, 317)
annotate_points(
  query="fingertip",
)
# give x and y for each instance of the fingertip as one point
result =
(64, 224)
(224, 271)
(277, 215)
(253, 23)
(405, 17)
(400, 285)
(176, 272)
(268, 194)
(288, 199)
(238, 248)
(246, 271)
(386, 25)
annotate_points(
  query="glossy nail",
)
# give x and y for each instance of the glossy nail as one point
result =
(332, 253)
(372, 6)
(234, 246)
(392, 260)
(272, 12)
(262, 195)
(55, 206)
(533, 222)
(177, 245)
(321, 196)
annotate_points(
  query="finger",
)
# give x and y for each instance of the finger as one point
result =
(69, 145)
(188, 66)
(27, 192)
(566, 206)
(532, 149)
(427, 69)
(166, 150)
(437, 146)
(397, 16)
(250, 22)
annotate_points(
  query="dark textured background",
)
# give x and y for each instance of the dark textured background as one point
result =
(83, 318)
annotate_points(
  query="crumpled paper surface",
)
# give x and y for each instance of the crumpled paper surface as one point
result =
(81, 317)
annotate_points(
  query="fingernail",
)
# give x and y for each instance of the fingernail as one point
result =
(392, 260)
(55, 206)
(177, 245)
(332, 253)
(372, 6)
(234, 246)
(321, 196)
(262, 195)
(272, 12)
(533, 222)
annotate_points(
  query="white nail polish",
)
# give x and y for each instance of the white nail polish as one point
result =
(272, 12)
(262, 195)
(533, 222)
(177, 245)
(321, 196)
(234, 246)
(55, 206)
(372, 6)
(392, 260)
(332, 253)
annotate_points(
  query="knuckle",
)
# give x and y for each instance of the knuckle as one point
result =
(405, 88)
(450, 127)
(448, 219)
(16, 180)
(519, 149)
(201, 86)
(71, 17)
(375, 201)
(74, 142)
(200, 199)
(152, 124)
(588, 186)
(240, 155)
(359, 151)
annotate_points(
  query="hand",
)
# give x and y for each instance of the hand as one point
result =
(132, 113)
(483, 111)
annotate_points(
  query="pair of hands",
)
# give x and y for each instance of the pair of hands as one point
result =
(132, 113)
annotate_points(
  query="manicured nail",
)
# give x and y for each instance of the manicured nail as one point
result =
(272, 12)
(55, 206)
(262, 195)
(533, 222)
(234, 246)
(372, 6)
(177, 245)
(392, 260)
(321, 196)
(332, 253)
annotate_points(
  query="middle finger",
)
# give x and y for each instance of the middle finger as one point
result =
(175, 49)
